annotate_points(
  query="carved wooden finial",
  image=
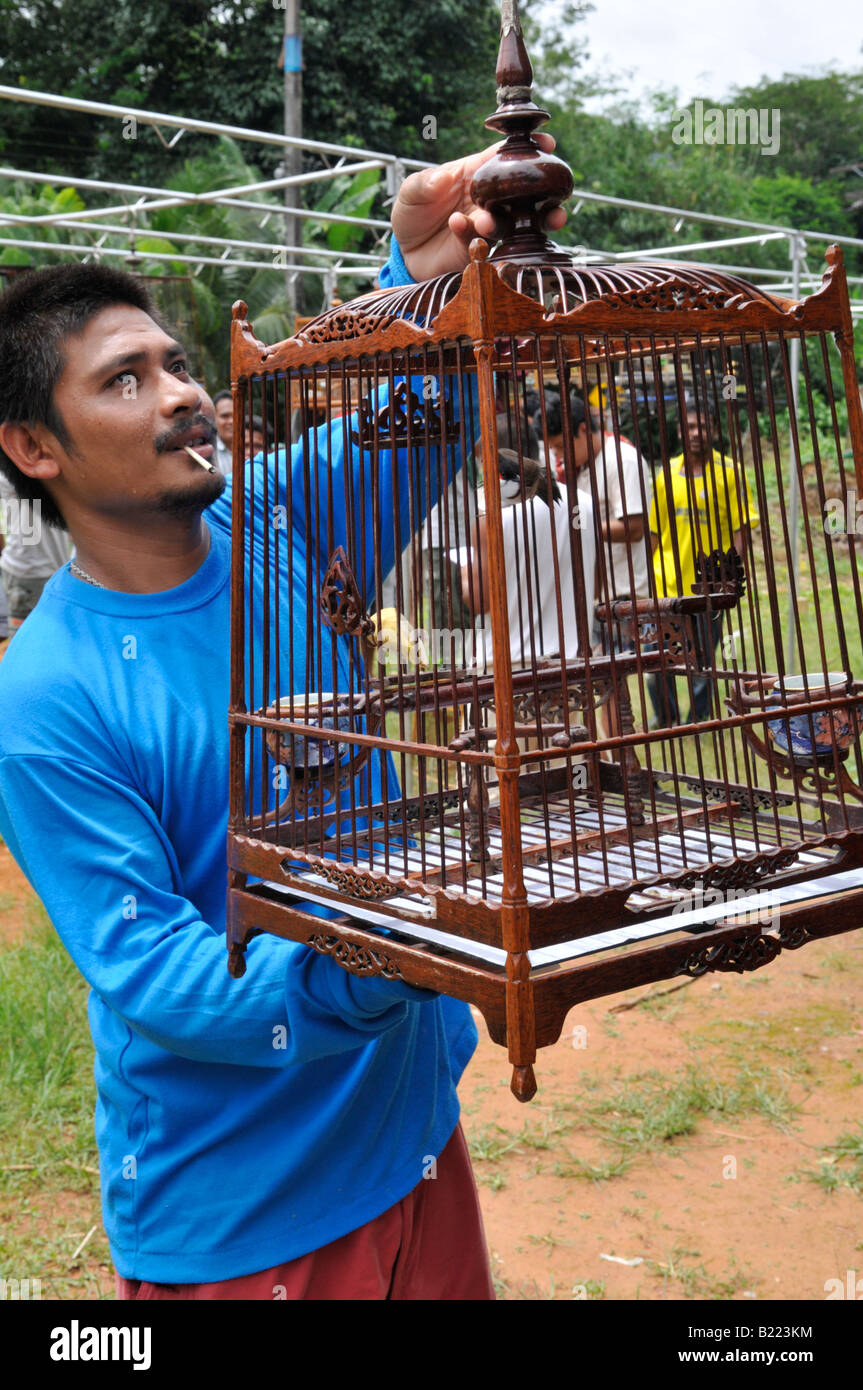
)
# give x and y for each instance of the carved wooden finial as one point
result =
(523, 1083)
(514, 72)
(520, 184)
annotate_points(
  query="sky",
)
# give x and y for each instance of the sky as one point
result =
(705, 51)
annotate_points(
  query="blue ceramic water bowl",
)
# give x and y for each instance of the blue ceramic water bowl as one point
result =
(832, 729)
(311, 756)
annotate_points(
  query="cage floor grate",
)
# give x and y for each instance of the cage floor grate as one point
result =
(613, 856)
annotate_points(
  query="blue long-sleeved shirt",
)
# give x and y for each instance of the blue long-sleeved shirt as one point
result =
(240, 1123)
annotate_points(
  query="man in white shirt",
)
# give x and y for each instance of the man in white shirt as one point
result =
(621, 492)
(533, 532)
(31, 553)
(222, 453)
(616, 478)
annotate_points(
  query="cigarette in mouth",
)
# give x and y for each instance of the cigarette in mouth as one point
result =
(205, 463)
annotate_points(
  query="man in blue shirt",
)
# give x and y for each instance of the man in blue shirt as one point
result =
(293, 1133)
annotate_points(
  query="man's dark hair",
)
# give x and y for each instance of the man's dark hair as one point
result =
(531, 403)
(554, 415)
(577, 412)
(38, 312)
(553, 418)
(698, 406)
(508, 434)
(258, 428)
(222, 396)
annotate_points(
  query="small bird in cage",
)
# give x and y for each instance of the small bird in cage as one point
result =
(522, 478)
(522, 475)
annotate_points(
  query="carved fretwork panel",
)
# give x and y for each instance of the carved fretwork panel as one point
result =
(720, 572)
(342, 606)
(358, 960)
(745, 953)
(342, 325)
(552, 704)
(387, 425)
(740, 873)
(673, 294)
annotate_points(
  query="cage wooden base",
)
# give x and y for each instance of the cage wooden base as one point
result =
(525, 1003)
(669, 847)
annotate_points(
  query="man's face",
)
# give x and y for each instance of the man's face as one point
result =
(257, 443)
(582, 444)
(698, 429)
(225, 421)
(129, 405)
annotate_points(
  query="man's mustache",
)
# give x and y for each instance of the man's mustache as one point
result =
(180, 431)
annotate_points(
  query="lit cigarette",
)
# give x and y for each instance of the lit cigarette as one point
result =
(205, 463)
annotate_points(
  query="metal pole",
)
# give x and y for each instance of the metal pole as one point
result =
(292, 64)
(797, 247)
(237, 132)
(59, 248)
(144, 190)
(109, 228)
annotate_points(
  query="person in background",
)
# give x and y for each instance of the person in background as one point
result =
(532, 531)
(610, 469)
(623, 492)
(223, 451)
(260, 438)
(31, 553)
(709, 507)
(553, 432)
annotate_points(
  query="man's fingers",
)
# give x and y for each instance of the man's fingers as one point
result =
(427, 184)
(466, 228)
(482, 224)
(434, 218)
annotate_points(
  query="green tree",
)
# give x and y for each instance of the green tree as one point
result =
(821, 121)
(626, 154)
(372, 75)
(198, 300)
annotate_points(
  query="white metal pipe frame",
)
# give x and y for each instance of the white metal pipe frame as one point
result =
(351, 160)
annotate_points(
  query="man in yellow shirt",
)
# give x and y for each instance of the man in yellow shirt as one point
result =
(709, 508)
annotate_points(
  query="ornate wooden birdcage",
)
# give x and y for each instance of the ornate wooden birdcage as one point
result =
(552, 507)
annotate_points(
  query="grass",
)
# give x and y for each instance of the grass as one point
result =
(843, 1165)
(49, 1175)
(46, 1066)
(589, 1288)
(505, 1289)
(492, 1142)
(547, 1242)
(683, 1279)
(38, 1241)
(652, 1108)
(594, 1172)
(631, 1117)
(793, 1037)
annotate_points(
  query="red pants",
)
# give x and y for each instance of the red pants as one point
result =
(431, 1245)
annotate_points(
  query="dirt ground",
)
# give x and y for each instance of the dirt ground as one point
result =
(691, 1136)
(707, 1139)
